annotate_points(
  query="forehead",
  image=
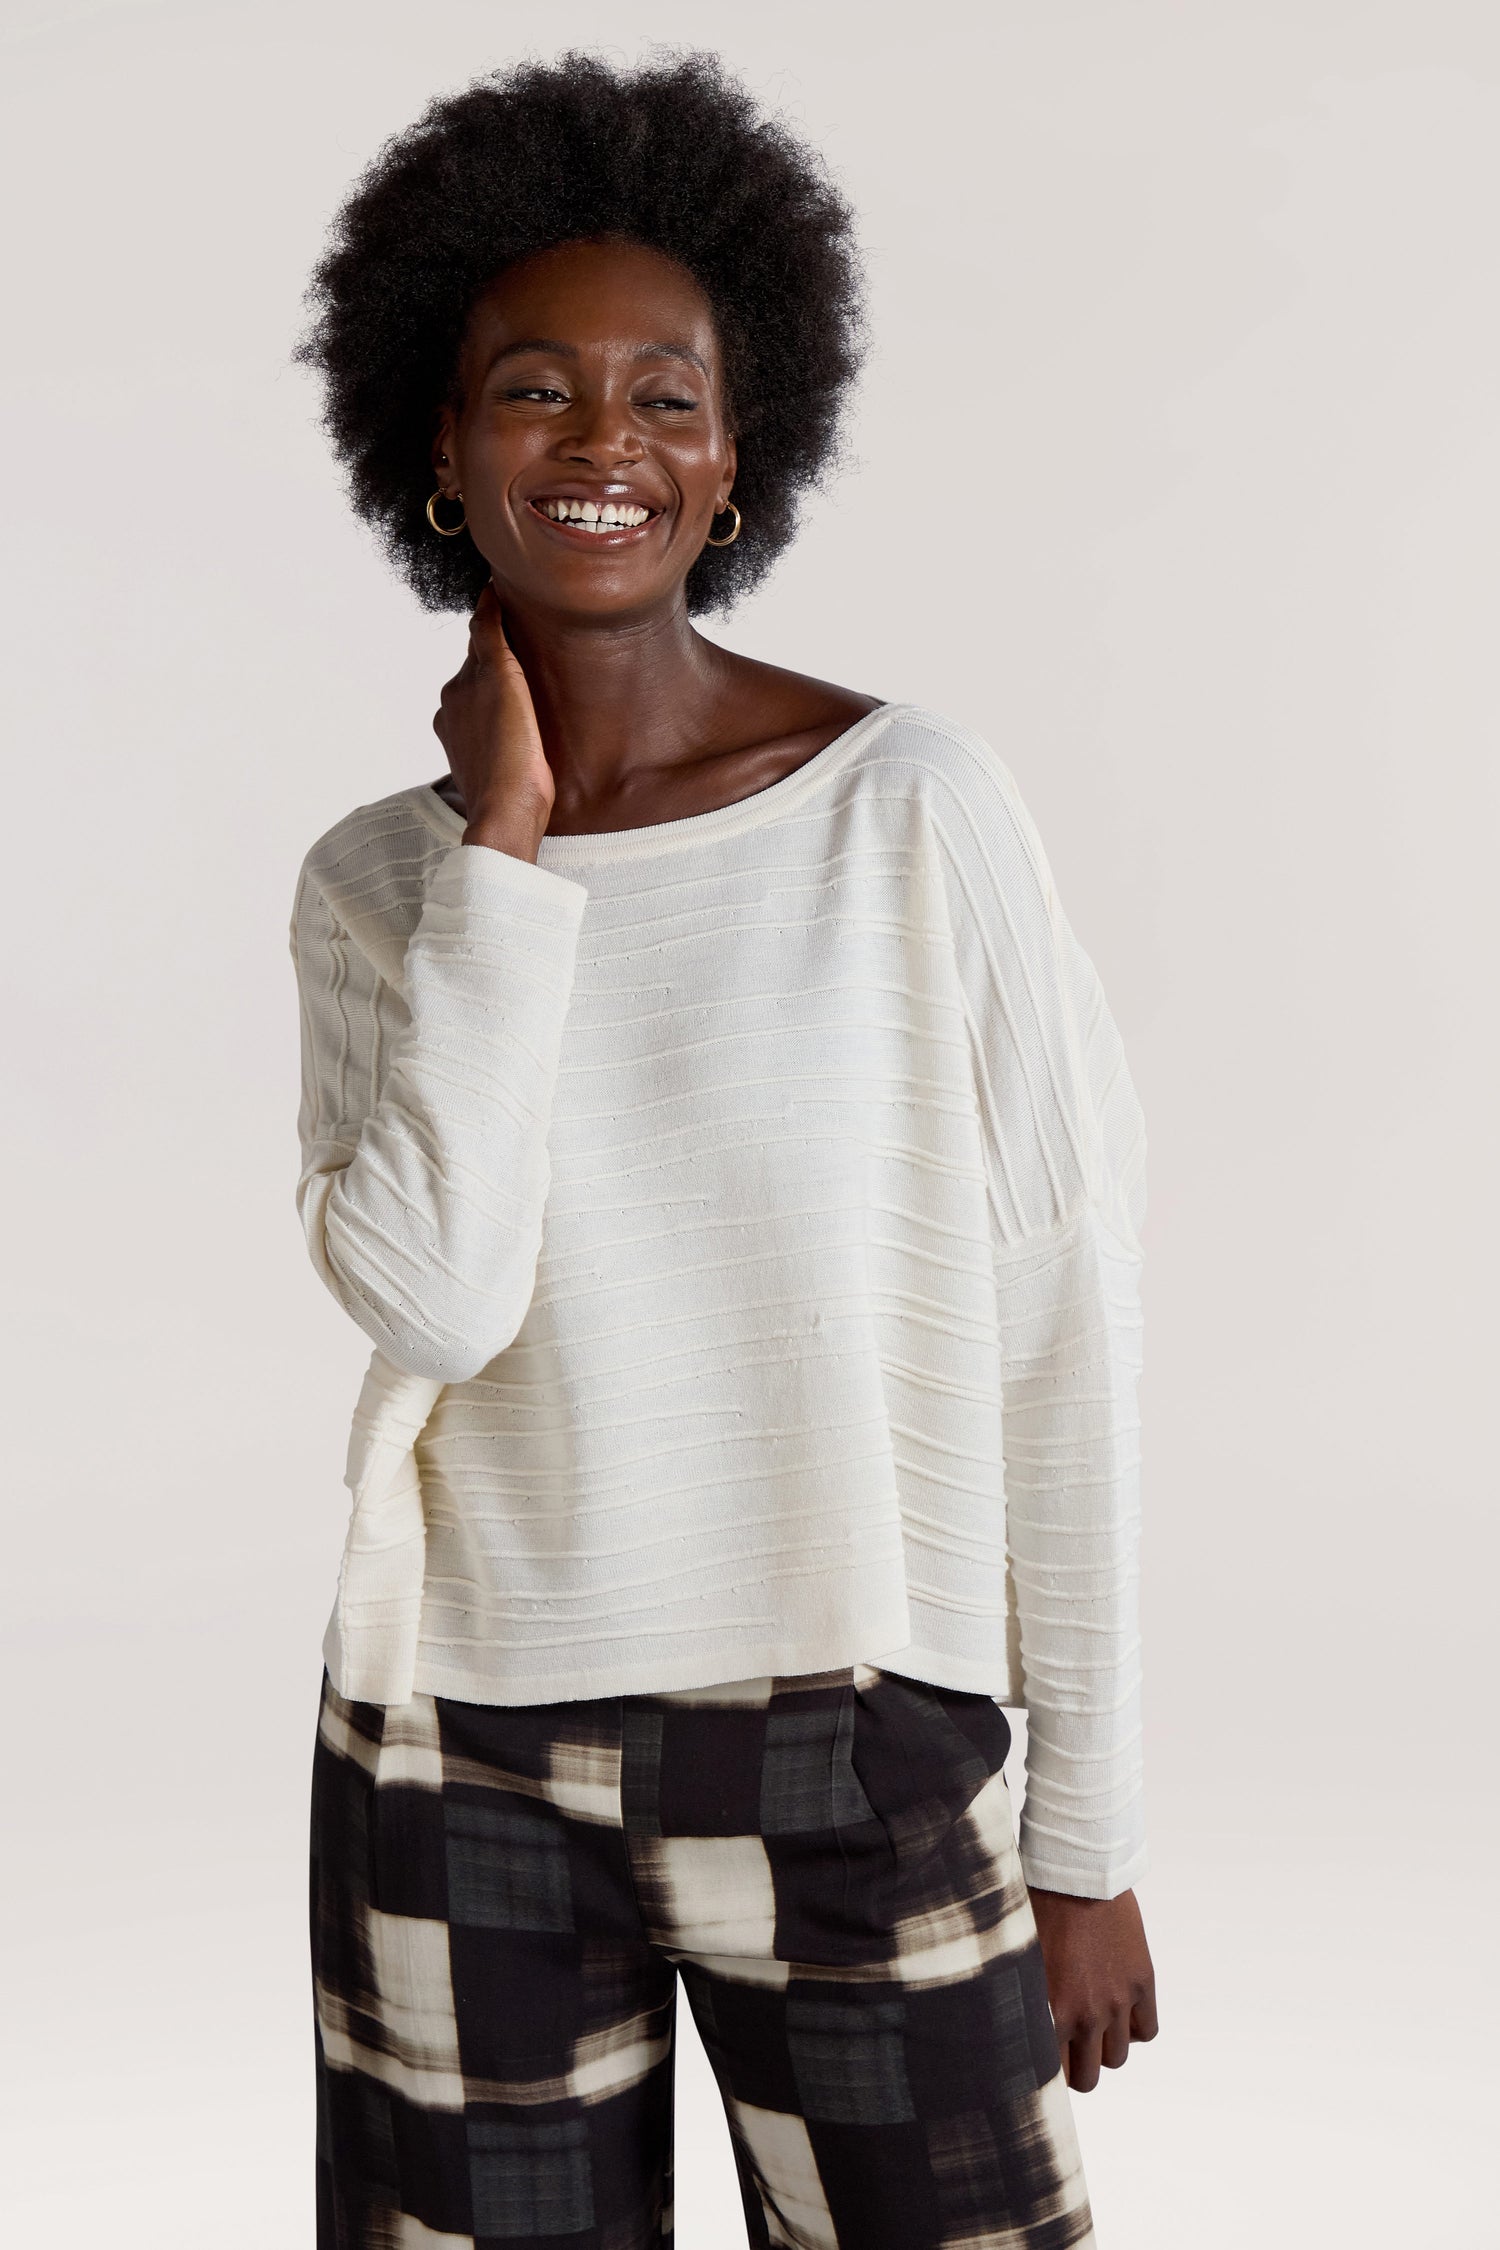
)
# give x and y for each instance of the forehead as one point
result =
(595, 293)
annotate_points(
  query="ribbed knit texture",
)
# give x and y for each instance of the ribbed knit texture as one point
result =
(745, 1214)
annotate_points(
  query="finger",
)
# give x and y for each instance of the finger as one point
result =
(1115, 2045)
(487, 628)
(500, 625)
(493, 606)
(1084, 2075)
(485, 620)
(1143, 2016)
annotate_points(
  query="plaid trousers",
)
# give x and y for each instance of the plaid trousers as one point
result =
(503, 1898)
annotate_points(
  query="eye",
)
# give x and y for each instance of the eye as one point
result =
(673, 405)
(538, 390)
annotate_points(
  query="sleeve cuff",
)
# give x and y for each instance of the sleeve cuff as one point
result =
(1084, 1881)
(478, 875)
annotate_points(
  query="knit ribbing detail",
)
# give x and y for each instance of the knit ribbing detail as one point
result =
(746, 1221)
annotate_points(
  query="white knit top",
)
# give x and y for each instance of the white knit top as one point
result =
(744, 1211)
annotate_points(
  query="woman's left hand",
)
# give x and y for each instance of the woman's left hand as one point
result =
(1100, 1980)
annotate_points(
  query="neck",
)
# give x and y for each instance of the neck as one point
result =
(614, 696)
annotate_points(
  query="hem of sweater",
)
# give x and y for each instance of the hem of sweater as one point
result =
(937, 1667)
(740, 1657)
(1084, 1881)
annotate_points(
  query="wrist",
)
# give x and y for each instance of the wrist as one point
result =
(518, 833)
(1067, 1902)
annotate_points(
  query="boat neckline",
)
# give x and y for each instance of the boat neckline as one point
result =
(657, 835)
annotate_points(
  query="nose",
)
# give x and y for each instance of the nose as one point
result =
(600, 432)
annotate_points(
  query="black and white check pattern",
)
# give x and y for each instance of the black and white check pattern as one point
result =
(505, 1896)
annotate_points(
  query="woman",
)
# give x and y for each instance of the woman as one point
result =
(712, 1122)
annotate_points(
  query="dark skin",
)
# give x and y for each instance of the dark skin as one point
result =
(637, 718)
(588, 702)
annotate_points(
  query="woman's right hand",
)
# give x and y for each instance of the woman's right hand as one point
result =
(486, 722)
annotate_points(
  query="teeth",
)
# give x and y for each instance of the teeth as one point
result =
(613, 516)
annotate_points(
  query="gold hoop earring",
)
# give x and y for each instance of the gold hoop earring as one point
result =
(443, 530)
(734, 511)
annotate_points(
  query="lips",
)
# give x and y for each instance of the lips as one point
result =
(613, 520)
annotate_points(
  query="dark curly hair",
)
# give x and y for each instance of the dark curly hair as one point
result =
(671, 153)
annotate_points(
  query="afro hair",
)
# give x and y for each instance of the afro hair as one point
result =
(672, 153)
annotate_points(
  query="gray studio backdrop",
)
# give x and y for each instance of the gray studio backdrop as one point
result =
(1177, 473)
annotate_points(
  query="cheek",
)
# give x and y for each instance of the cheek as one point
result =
(694, 454)
(496, 455)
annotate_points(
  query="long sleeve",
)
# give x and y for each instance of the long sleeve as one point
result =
(1065, 1151)
(1070, 1322)
(426, 1096)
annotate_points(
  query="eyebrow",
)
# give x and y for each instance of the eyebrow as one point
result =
(560, 350)
(535, 344)
(672, 351)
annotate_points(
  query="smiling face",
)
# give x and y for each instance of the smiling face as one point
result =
(590, 442)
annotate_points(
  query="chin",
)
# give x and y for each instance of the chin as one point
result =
(591, 593)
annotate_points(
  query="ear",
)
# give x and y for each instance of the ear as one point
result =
(444, 454)
(726, 483)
